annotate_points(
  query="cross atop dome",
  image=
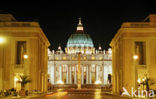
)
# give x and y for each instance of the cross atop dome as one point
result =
(80, 21)
(80, 27)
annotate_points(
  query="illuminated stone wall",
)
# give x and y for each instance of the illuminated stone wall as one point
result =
(133, 55)
(36, 65)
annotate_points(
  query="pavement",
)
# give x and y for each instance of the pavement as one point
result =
(27, 97)
(74, 94)
(80, 94)
(65, 95)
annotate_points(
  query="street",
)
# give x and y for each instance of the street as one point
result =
(65, 95)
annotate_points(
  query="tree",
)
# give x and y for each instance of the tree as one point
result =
(24, 80)
(147, 82)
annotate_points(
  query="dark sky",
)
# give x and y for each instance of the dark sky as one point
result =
(100, 19)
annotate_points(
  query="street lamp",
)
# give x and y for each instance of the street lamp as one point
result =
(139, 80)
(2, 40)
(25, 56)
(98, 82)
(135, 57)
(60, 82)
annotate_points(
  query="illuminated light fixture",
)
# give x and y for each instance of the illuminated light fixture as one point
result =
(56, 58)
(100, 48)
(25, 56)
(84, 58)
(73, 58)
(135, 57)
(59, 47)
(64, 58)
(93, 57)
(2, 39)
(79, 28)
(98, 82)
(60, 82)
(110, 51)
(16, 79)
(100, 58)
(139, 81)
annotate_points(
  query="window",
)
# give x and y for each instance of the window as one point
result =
(140, 51)
(20, 51)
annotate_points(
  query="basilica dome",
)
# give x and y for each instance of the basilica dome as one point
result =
(80, 41)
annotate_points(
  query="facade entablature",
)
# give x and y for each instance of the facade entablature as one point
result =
(138, 25)
(19, 24)
(66, 57)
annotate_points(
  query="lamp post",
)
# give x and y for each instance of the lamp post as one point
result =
(79, 71)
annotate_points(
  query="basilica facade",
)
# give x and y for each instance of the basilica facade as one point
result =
(96, 64)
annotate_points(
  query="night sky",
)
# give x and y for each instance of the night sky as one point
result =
(100, 19)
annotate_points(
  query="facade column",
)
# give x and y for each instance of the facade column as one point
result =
(70, 76)
(67, 75)
(60, 72)
(82, 75)
(55, 75)
(87, 74)
(75, 76)
(102, 74)
(97, 73)
(1, 79)
(42, 81)
(45, 82)
(106, 74)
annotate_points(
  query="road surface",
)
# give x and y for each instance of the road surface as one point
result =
(65, 95)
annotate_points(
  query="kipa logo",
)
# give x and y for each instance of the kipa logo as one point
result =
(138, 93)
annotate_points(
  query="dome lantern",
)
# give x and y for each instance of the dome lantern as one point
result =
(80, 26)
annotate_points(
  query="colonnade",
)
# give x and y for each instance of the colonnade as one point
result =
(70, 74)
